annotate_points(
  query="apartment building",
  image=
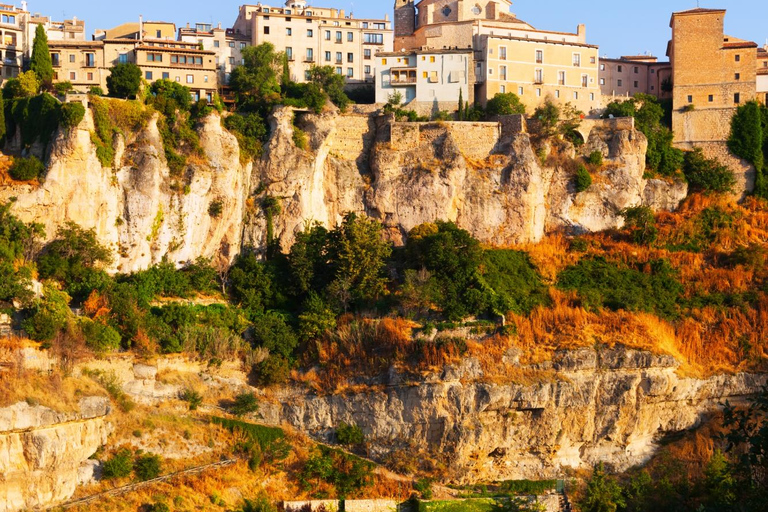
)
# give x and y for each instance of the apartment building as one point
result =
(138, 30)
(712, 74)
(317, 36)
(762, 74)
(224, 43)
(509, 55)
(435, 79)
(637, 74)
(67, 30)
(14, 40)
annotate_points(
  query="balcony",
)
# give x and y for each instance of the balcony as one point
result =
(538, 81)
(402, 76)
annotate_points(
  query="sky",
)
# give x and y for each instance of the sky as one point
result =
(619, 27)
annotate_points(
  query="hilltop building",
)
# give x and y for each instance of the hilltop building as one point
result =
(315, 36)
(712, 74)
(762, 74)
(224, 43)
(630, 75)
(508, 55)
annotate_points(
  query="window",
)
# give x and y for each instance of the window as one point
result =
(384, 61)
(338, 36)
(158, 34)
(367, 70)
(425, 75)
(350, 36)
(148, 75)
(72, 58)
(178, 79)
(373, 38)
(166, 76)
(90, 76)
(433, 78)
(215, 44)
(154, 57)
(602, 67)
(711, 98)
(365, 24)
(310, 32)
(190, 79)
(327, 35)
(289, 53)
(575, 95)
(350, 72)
(503, 72)
(539, 56)
(338, 70)
(503, 52)
(338, 57)
(738, 76)
(557, 94)
(690, 99)
(636, 84)
(350, 57)
(310, 55)
(72, 75)
(231, 44)
(55, 59)
(538, 93)
(737, 98)
(561, 77)
(205, 79)
(593, 60)
(367, 53)
(592, 96)
(327, 56)
(636, 70)
(539, 76)
(307, 75)
(585, 80)
(380, 26)
(653, 71)
(432, 58)
(122, 58)
(620, 68)
(232, 61)
(520, 91)
(602, 81)
(738, 58)
(619, 83)
(266, 30)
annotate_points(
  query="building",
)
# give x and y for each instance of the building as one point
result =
(317, 36)
(509, 55)
(435, 78)
(224, 43)
(631, 75)
(14, 39)
(67, 30)
(712, 74)
(762, 74)
(140, 30)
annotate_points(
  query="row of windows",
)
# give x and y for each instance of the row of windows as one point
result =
(308, 14)
(538, 93)
(368, 38)
(90, 59)
(576, 58)
(190, 79)
(538, 76)
(340, 71)
(620, 83)
(711, 98)
(9, 18)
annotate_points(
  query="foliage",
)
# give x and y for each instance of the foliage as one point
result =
(216, 208)
(72, 114)
(300, 139)
(41, 62)
(583, 179)
(18, 245)
(37, 117)
(515, 283)
(120, 465)
(96, 91)
(124, 80)
(347, 473)
(260, 504)
(147, 466)
(250, 131)
(271, 441)
(331, 83)
(48, 315)
(641, 223)
(596, 158)
(25, 85)
(316, 319)
(424, 487)
(244, 403)
(603, 493)
(168, 97)
(349, 434)
(707, 175)
(251, 284)
(654, 289)
(192, 397)
(548, 115)
(273, 333)
(749, 140)
(99, 336)
(62, 88)
(256, 83)
(25, 169)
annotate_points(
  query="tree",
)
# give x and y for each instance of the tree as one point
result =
(245, 403)
(169, 97)
(460, 116)
(603, 493)
(25, 85)
(705, 174)
(641, 224)
(41, 62)
(147, 466)
(330, 82)
(124, 80)
(583, 179)
(505, 104)
(256, 82)
(748, 140)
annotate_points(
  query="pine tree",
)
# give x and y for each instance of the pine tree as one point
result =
(466, 110)
(461, 105)
(41, 62)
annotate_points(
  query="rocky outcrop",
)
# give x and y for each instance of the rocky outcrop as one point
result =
(487, 177)
(610, 405)
(44, 454)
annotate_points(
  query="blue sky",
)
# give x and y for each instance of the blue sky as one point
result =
(619, 27)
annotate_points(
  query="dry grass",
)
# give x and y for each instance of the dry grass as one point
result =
(56, 391)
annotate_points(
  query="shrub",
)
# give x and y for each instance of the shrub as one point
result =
(273, 333)
(147, 466)
(347, 473)
(270, 440)
(120, 465)
(515, 283)
(273, 371)
(424, 487)
(216, 208)
(100, 337)
(596, 158)
(504, 104)
(72, 114)
(349, 434)
(25, 169)
(260, 504)
(25, 85)
(250, 131)
(583, 179)
(192, 397)
(707, 175)
(158, 507)
(96, 91)
(244, 403)
(300, 138)
(62, 88)
(641, 224)
(124, 80)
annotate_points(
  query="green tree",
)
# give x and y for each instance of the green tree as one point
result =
(168, 97)
(748, 140)
(48, 315)
(641, 223)
(583, 179)
(147, 466)
(120, 465)
(548, 116)
(25, 85)
(460, 115)
(603, 493)
(273, 333)
(719, 483)
(349, 434)
(124, 80)
(25, 169)
(505, 104)
(256, 82)
(705, 174)
(244, 403)
(41, 62)
(72, 114)
(330, 82)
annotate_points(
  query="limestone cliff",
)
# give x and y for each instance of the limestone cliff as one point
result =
(43, 454)
(484, 176)
(610, 405)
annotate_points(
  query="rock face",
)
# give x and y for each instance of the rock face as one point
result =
(487, 177)
(43, 454)
(608, 405)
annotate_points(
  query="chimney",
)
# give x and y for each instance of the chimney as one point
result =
(141, 27)
(581, 32)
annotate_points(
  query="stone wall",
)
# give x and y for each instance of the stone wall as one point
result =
(743, 171)
(475, 140)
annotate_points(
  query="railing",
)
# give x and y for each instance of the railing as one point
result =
(403, 81)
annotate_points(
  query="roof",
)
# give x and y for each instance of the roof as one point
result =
(427, 51)
(174, 49)
(541, 41)
(74, 44)
(698, 10)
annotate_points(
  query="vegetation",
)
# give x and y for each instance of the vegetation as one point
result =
(41, 62)
(72, 114)
(583, 179)
(504, 104)
(245, 403)
(120, 465)
(147, 466)
(349, 435)
(705, 174)
(25, 169)
(749, 140)
(124, 80)
(349, 475)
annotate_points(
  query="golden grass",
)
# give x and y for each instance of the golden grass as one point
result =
(55, 391)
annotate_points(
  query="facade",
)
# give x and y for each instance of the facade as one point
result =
(712, 74)
(434, 79)
(317, 36)
(762, 74)
(224, 43)
(140, 30)
(509, 54)
(630, 75)
(67, 30)
(14, 40)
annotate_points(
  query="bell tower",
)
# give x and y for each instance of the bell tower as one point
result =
(405, 18)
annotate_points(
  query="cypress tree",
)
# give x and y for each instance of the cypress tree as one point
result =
(461, 105)
(41, 62)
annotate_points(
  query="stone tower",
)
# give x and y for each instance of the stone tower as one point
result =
(405, 18)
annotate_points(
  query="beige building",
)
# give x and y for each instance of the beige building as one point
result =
(142, 29)
(13, 39)
(712, 74)
(762, 74)
(317, 36)
(224, 43)
(510, 55)
(630, 75)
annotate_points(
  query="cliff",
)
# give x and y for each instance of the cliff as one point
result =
(484, 176)
(44, 454)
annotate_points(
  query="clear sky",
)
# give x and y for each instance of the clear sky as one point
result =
(619, 27)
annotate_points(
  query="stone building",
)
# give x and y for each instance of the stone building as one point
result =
(762, 74)
(509, 55)
(317, 36)
(224, 43)
(712, 74)
(630, 75)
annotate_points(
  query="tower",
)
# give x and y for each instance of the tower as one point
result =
(405, 18)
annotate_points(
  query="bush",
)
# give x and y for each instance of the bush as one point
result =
(147, 467)
(72, 114)
(271, 332)
(192, 397)
(124, 80)
(244, 403)
(120, 465)
(504, 104)
(100, 337)
(349, 435)
(707, 175)
(250, 131)
(216, 208)
(596, 158)
(424, 487)
(62, 88)
(300, 138)
(515, 283)
(347, 473)
(583, 179)
(641, 224)
(96, 91)
(273, 371)
(25, 169)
